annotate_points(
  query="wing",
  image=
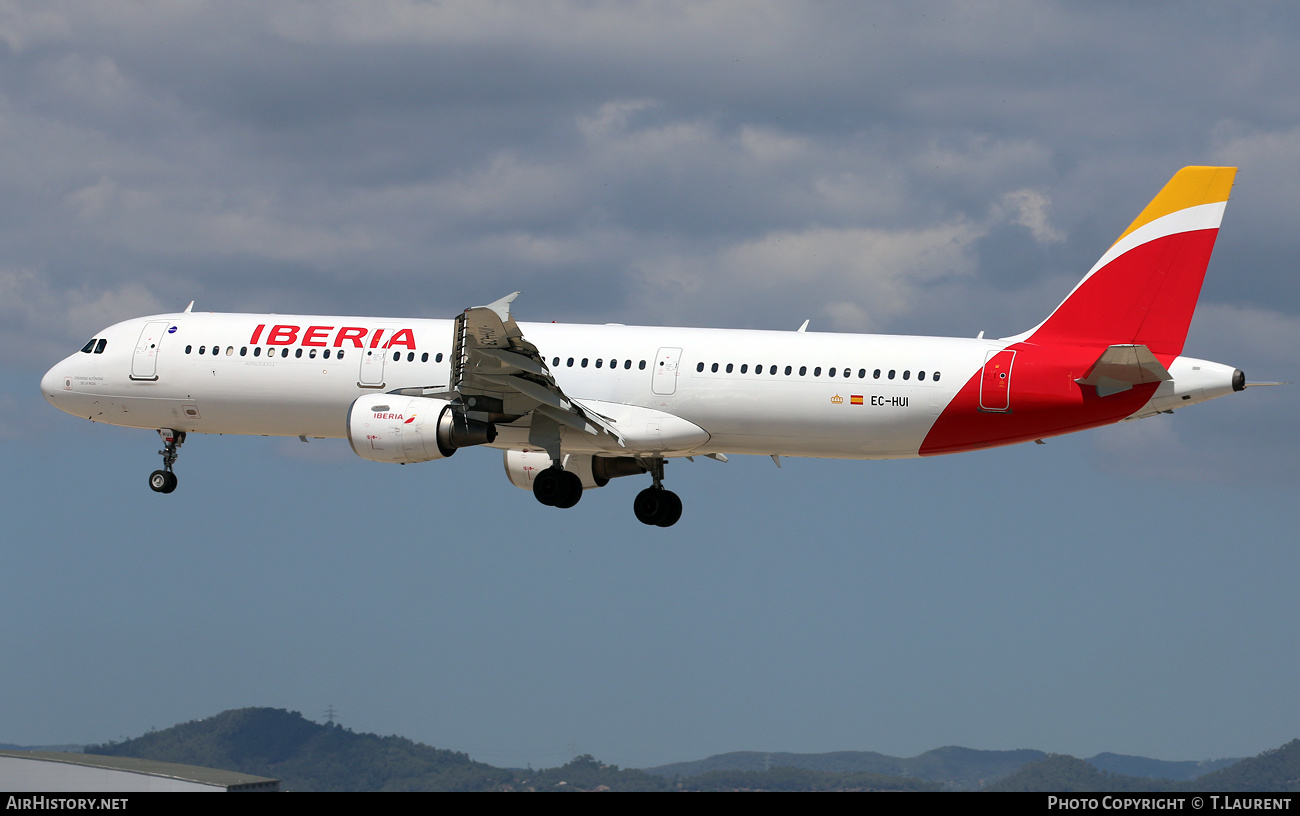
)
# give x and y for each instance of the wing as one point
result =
(501, 377)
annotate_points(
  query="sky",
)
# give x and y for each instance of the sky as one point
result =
(921, 168)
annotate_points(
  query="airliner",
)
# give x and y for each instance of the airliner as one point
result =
(575, 406)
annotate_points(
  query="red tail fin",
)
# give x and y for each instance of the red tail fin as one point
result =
(1144, 289)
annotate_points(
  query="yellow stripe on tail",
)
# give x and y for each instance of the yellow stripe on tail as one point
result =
(1190, 187)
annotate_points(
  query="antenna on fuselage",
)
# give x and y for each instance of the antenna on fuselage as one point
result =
(804, 327)
(188, 308)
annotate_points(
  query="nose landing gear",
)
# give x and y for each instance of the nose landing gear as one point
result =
(164, 481)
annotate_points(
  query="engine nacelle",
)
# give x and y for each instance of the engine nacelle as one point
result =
(594, 471)
(393, 428)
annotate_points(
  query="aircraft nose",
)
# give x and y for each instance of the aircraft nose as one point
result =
(52, 385)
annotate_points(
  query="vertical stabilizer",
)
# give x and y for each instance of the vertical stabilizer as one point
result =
(1143, 291)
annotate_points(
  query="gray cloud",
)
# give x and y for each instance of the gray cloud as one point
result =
(933, 169)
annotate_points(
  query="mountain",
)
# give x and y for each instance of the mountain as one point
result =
(1066, 774)
(1157, 768)
(954, 767)
(1275, 770)
(307, 756)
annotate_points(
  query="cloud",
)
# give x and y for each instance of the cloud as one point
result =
(1030, 209)
(40, 323)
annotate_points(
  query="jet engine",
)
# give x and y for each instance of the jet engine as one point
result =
(594, 471)
(394, 428)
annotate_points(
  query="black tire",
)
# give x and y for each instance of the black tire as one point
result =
(171, 482)
(672, 509)
(160, 481)
(549, 487)
(572, 490)
(648, 505)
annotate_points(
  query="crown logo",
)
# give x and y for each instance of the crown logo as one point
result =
(837, 400)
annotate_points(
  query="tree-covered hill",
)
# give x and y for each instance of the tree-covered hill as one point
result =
(307, 756)
(955, 768)
(1275, 770)
(1066, 774)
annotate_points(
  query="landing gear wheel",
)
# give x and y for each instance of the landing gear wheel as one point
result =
(657, 507)
(162, 481)
(546, 487)
(557, 487)
(572, 490)
(672, 509)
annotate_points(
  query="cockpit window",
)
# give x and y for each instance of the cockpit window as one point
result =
(89, 347)
(99, 348)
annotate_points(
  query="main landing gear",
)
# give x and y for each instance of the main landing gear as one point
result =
(655, 505)
(557, 487)
(164, 481)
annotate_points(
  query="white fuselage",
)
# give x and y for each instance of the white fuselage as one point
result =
(290, 389)
(753, 392)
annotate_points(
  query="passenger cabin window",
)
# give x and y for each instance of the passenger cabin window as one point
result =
(699, 366)
(188, 349)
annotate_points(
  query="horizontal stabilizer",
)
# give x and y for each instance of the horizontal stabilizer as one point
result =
(1119, 368)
